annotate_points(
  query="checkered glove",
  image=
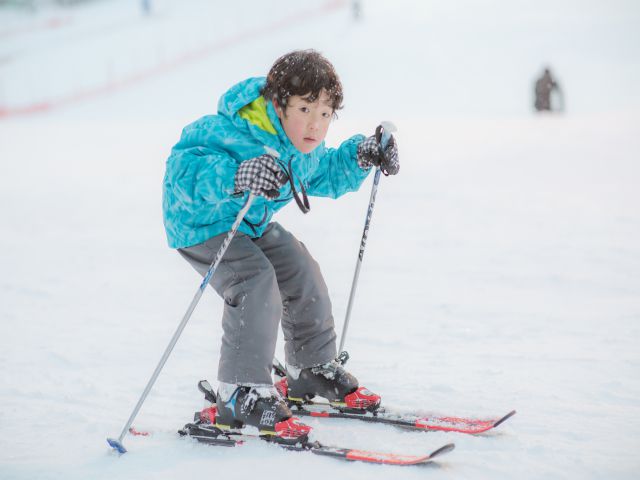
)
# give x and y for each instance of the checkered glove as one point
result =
(261, 176)
(370, 154)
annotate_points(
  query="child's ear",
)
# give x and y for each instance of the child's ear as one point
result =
(277, 108)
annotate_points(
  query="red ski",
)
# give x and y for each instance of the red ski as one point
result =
(365, 406)
(212, 435)
(407, 420)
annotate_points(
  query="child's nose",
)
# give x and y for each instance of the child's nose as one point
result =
(315, 123)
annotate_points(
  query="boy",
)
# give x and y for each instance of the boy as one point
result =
(267, 276)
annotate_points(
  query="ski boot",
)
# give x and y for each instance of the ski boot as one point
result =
(330, 381)
(260, 407)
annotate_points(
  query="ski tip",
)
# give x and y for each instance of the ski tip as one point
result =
(116, 445)
(505, 418)
(378, 457)
(444, 449)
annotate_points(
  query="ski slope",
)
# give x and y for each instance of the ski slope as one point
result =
(502, 268)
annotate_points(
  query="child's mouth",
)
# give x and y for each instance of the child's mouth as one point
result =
(309, 140)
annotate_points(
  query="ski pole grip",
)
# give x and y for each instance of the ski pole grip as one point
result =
(387, 129)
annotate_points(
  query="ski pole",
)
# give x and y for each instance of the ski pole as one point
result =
(387, 129)
(117, 444)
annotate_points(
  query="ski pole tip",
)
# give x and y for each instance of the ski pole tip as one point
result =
(116, 445)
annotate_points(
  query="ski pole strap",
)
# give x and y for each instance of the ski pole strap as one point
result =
(254, 226)
(303, 204)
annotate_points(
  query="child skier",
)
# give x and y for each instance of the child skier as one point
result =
(267, 276)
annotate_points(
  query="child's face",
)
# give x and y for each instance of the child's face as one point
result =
(306, 123)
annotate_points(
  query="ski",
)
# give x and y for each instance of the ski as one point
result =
(373, 413)
(472, 426)
(212, 435)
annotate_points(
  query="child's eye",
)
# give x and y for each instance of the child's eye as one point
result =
(326, 115)
(304, 109)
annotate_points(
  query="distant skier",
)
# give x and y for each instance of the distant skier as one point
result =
(544, 87)
(267, 276)
(146, 7)
(356, 9)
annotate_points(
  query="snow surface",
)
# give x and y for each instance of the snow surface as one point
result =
(502, 268)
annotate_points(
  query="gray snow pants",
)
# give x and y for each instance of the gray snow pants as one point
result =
(264, 281)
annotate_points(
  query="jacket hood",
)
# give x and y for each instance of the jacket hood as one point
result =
(243, 94)
(240, 95)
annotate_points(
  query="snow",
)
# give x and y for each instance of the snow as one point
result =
(502, 268)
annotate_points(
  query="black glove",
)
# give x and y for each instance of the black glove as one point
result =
(261, 176)
(370, 153)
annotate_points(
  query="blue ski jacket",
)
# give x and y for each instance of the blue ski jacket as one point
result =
(198, 201)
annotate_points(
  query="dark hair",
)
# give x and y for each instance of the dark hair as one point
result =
(305, 73)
